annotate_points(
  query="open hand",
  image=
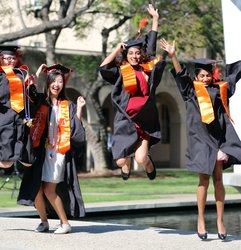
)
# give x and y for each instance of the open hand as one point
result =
(170, 49)
(152, 11)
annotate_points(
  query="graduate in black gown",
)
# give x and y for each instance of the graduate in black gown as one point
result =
(51, 184)
(136, 123)
(212, 142)
(17, 94)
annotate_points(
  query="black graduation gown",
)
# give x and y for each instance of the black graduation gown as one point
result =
(125, 135)
(69, 189)
(204, 140)
(15, 143)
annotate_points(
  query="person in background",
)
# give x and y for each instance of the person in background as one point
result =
(17, 94)
(135, 79)
(51, 184)
(212, 142)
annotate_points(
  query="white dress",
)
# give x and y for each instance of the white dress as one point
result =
(54, 163)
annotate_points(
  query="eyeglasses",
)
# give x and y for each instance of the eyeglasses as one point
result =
(9, 59)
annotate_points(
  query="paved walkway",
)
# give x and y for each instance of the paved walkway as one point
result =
(18, 233)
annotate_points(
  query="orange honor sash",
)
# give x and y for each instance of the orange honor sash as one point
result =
(63, 127)
(205, 103)
(15, 89)
(129, 76)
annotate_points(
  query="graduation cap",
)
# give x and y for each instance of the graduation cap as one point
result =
(208, 65)
(136, 43)
(8, 49)
(203, 63)
(59, 68)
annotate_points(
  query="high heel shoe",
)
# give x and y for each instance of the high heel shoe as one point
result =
(151, 175)
(202, 236)
(125, 176)
(222, 236)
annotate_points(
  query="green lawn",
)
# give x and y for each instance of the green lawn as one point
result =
(138, 187)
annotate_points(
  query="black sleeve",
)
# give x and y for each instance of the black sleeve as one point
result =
(233, 75)
(158, 71)
(151, 39)
(110, 72)
(77, 136)
(184, 83)
(33, 93)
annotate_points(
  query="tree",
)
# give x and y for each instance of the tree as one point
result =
(47, 22)
(193, 24)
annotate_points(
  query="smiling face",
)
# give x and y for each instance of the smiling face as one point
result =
(8, 60)
(56, 86)
(134, 56)
(204, 76)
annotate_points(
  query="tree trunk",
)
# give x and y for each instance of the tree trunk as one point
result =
(97, 147)
(50, 48)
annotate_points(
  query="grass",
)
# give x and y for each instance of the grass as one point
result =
(138, 187)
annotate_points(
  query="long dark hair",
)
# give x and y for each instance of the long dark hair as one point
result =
(123, 58)
(50, 79)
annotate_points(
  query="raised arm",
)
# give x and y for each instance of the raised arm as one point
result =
(111, 57)
(170, 49)
(80, 105)
(155, 17)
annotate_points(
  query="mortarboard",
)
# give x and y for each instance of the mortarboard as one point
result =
(8, 49)
(203, 63)
(59, 68)
(137, 43)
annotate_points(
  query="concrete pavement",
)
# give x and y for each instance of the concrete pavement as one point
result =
(18, 233)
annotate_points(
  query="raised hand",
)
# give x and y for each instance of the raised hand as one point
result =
(170, 49)
(80, 104)
(40, 70)
(153, 12)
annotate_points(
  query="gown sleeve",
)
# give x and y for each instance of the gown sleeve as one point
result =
(233, 75)
(184, 83)
(77, 136)
(110, 72)
(151, 38)
(158, 72)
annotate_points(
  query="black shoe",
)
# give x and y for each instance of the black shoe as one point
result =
(151, 175)
(222, 236)
(125, 176)
(202, 236)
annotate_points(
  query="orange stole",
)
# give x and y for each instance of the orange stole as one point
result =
(129, 76)
(64, 127)
(223, 93)
(15, 89)
(205, 103)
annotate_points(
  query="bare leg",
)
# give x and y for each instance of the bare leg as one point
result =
(219, 193)
(56, 202)
(6, 164)
(125, 164)
(201, 201)
(141, 156)
(40, 205)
